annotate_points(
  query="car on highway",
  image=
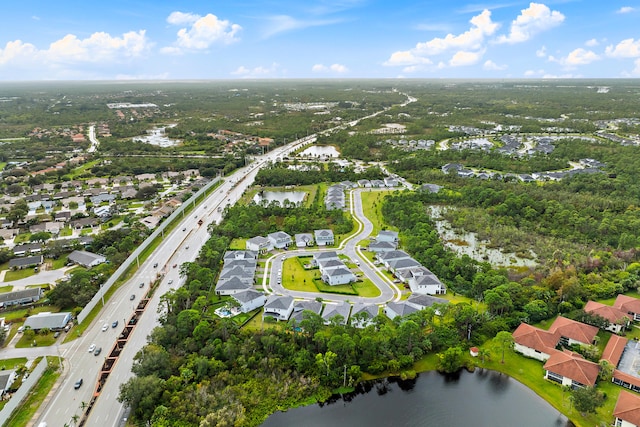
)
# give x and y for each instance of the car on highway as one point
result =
(184, 229)
(155, 265)
(132, 297)
(97, 351)
(91, 348)
(78, 384)
(175, 265)
(141, 285)
(114, 324)
(170, 281)
(105, 327)
(187, 247)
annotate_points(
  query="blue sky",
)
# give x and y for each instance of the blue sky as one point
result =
(232, 39)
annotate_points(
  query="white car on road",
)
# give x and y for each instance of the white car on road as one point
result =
(105, 327)
(91, 348)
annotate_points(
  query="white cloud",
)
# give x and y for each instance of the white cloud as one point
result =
(628, 48)
(592, 43)
(626, 9)
(98, 48)
(531, 21)
(203, 31)
(463, 58)
(534, 73)
(636, 70)
(283, 23)
(542, 52)
(257, 72)
(335, 68)
(471, 40)
(576, 57)
(492, 66)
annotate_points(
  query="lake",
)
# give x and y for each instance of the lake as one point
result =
(320, 151)
(296, 197)
(157, 136)
(479, 399)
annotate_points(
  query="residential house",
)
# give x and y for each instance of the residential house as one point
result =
(428, 284)
(250, 299)
(247, 255)
(319, 257)
(25, 262)
(259, 244)
(628, 305)
(299, 307)
(627, 410)
(338, 276)
(9, 233)
(27, 248)
(377, 183)
(86, 259)
(402, 309)
(229, 272)
(570, 369)
(81, 223)
(365, 183)
(399, 264)
(572, 332)
(430, 188)
(377, 247)
(324, 237)
(534, 342)
(390, 182)
(617, 319)
(232, 286)
(362, 315)
(624, 374)
(51, 321)
(424, 301)
(103, 198)
(24, 296)
(386, 257)
(62, 216)
(6, 380)
(388, 236)
(280, 239)
(330, 264)
(279, 307)
(303, 240)
(332, 311)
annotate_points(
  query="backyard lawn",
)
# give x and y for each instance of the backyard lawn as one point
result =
(8, 364)
(12, 275)
(41, 340)
(372, 206)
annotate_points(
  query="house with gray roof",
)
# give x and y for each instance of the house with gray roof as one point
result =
(299, 307)
(27, 248)
(6, 380)
(86, 259)
(228, 273)
(398, 264)
(324, 237)
(392, 256)
(330, 264)
(376, 246)
(338, 276)
(249, 254)
(250, 299)
(338, 309)
(319, 257)
(280, 239)
(25, 262)
(387, 236)
(430, 188)
(259, 244)
(232, 286)
(303, 240)
(423, 301)
(279, 307)
(427, 284)
(24, 296)
(401, 309)
(52, 321)
(362, 314)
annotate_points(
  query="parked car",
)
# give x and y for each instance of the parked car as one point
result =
(105, 327)
(56, 334)
(78, 384)
(97, 351)
(114, 324)
(91, 348)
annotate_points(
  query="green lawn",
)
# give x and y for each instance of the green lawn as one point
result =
(66, 231)
(6, 288)
(21, 238)
(60, 262)
(18, 274)
(296, 278)
(372, 207)
(366, 288)
(238, 245)
(19, 315)
(9, 364)
(82, 169)
(41, 340)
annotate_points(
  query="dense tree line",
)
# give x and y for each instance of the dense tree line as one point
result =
(280, 174)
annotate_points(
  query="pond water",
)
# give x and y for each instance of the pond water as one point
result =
(267, 197)
(480, 399)
(469, 244)
(157, 136)
(320, 151)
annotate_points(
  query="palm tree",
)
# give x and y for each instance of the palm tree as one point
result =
(75, 418)
(483, 353)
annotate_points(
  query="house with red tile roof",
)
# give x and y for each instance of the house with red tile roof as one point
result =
(534, 342)
(627, 410)
(613, 351)
(617, 319)
(628, 305)
(573, 332)
(570, 369)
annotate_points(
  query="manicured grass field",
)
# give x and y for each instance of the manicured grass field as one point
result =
(18, 274)
(8, 364)
(6, 288)
(41, 340)
(372, 206)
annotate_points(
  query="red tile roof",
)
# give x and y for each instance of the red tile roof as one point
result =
(612, 314)
(535, 338)
(576, 331)
(571, 366)
(627, 304)
(613, 351)
(628, 408)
